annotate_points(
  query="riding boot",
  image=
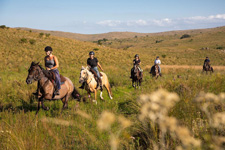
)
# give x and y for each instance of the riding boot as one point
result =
(82, 86)
(57, 92)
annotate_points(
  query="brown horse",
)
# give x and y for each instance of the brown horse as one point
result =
(207, 67)
(155, 71)
(91, 84)
(137, 77)
(46, 87)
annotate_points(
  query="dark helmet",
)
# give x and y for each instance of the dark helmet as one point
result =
(157, 57)
(91, 53)
(207, 57)
(136, 56)
(48, 48)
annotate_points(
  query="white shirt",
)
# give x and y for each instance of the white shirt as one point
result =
(157, 62)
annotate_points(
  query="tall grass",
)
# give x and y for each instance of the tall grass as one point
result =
(112, 124)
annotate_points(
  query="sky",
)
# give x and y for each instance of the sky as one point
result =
(101, 16)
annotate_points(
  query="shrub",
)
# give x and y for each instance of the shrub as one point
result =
(30, 31)
(3, 26)
(135, 36)
(99, 42)
(32, 41)
(163, 56)
(41, 34)
(158, 41)
(23, 40)
(96, 49)
(104, 39)
(185, 36)
(220, 47)
(47, 34)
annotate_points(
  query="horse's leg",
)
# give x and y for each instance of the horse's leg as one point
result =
(38, 108)
(65, 102)
(108, 88)
(95, 100)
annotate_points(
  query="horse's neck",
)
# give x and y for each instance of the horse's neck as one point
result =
(89, 77)
(42, 78)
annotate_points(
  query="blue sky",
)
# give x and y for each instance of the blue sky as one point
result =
(100, 16)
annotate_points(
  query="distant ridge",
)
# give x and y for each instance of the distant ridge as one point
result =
(114, 35)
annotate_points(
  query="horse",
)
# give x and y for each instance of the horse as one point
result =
(207, 67)
(46, 87)
(91, 84)
(137, 77)
(155, 71)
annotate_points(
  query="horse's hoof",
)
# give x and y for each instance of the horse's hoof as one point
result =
(94, 101)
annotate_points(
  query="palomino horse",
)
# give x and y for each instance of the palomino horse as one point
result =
(91, 84)
(207, 67)
(137, 77)
(46, 87)
(155, 71)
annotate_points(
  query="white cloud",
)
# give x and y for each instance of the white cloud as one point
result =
(110, 23)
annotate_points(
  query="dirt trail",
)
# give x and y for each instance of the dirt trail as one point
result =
(185, 67)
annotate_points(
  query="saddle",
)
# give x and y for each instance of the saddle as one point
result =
(51, 76)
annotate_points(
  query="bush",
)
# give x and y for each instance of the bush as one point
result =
(104, 39)
(99, 42)
(135, 36)
(163, 56)
(41, 34)
(32, 41)
(185, 36)
(23, 40)
(30, 31)
(96, 49)
(158, 41)
(47, 34)
(3, 26)
(220, 47)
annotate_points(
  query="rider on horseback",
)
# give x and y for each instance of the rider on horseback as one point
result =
(51, 64)
(207, 61)
(157, 62)
(136, 61)
(92, 62)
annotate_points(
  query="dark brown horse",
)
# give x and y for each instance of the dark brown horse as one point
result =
(137, 76)
(155, 71)
(46, 87)
(207, 67)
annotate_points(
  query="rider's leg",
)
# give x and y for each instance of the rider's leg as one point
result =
(57, 81)
(159, 70)
(99, 77)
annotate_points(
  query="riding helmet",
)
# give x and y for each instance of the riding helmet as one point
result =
(136, 56)
(157, 57)
(48, 48)
(91, 53)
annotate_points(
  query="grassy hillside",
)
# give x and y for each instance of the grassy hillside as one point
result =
(173, 50)
(134, 119)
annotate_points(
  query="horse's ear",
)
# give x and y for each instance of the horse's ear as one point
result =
(38, 63)
(82, 68)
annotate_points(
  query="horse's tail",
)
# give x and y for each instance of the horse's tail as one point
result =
(212, 69)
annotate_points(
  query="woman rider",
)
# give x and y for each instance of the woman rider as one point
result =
(136, 61)
(92, 62)
(52, 63)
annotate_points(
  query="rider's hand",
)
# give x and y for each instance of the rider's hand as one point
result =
(48, 68)
(102, 69)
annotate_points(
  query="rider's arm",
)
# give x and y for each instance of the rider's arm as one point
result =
(99, 66)
(56, 62)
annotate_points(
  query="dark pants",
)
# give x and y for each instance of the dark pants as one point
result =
(57, 78)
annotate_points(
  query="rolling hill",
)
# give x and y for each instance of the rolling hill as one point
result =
(116, 35)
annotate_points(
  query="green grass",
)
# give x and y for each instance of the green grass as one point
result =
(20, 129)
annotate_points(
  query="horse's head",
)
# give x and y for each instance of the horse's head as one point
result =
(156, 68)
(83, 74)
(136, 70)
(33, 72)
